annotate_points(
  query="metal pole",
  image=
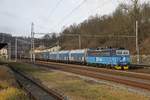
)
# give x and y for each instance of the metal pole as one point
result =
(31, 45)
(9, 47)
(31, 52)
(33, 49)
(16, 50)
(137, 44)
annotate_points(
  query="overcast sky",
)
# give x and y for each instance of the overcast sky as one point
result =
(48, 15)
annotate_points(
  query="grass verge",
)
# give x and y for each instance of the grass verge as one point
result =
(76, 88)
(8, 87)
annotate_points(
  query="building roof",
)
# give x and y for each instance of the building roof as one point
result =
(2, 45)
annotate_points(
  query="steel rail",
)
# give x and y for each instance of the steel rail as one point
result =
(53, 94)
(141, 65)
(104, 70)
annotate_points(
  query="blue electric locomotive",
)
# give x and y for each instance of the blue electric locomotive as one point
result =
(117, 58)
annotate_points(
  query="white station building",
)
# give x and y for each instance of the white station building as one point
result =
(3, 53)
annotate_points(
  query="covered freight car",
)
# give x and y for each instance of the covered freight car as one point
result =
(63, 56)
(53, 56)
(77, 56)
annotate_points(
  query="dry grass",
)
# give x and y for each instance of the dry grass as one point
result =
(80, 89)
(12, 93)
(8, 86)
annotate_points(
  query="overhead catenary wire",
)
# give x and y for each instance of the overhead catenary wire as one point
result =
(55, 7)
(52, 11)
(103, 4)
(70, 13)
(122, 1)
(99, 7)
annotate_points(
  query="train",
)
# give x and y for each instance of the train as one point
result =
(116, 58)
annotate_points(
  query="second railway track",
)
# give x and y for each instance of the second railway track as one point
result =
(135, 80)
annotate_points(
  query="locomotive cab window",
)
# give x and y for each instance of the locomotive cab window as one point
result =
(126, 52)
(122, 52)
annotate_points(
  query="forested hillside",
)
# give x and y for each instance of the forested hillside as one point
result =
(107, 30)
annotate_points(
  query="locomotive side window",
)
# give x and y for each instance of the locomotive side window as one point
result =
(99, 53)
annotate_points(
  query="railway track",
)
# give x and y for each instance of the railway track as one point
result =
(101, 70)
(140, 65)
(35, 90)
(138, 80)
